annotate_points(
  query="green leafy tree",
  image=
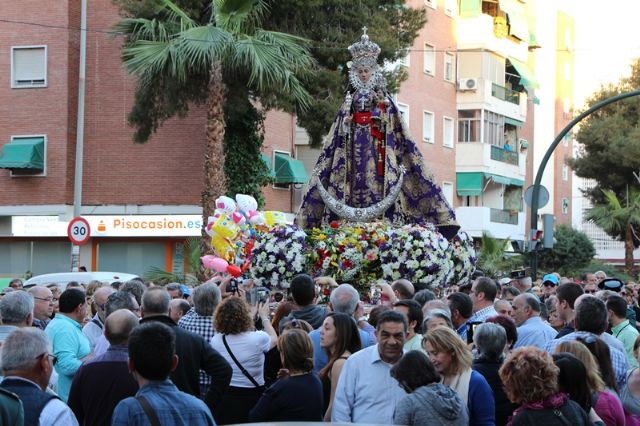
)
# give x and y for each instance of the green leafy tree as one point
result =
(621, 218)
(333, 25)
(166, 51)
(571, 254)
(610, 141)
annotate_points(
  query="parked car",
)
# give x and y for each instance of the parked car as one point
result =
(62, 278)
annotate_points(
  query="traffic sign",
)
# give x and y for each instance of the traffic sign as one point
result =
(79, 231)
(543, 196)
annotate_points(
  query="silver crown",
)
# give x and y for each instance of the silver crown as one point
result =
(364, 52)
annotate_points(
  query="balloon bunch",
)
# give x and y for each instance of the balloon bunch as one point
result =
(233, 228)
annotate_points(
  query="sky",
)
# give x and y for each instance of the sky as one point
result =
(607, 38)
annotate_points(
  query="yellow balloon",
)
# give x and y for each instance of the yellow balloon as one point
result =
(272, 218)
(222, 247)
(225, 227)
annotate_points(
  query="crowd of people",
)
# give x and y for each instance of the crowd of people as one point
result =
(485, 353)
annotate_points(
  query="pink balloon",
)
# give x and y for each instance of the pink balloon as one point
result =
(214, 263)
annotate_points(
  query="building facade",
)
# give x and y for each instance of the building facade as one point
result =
(468, 102)
(141, 200)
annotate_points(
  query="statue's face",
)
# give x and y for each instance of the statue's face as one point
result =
(364, 74)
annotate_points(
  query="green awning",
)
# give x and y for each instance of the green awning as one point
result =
(526, 75)
(470, 8)
(503, 180)
(23, 153)
(289, 170)
(468, 184)
(267, 162)
(513, 122)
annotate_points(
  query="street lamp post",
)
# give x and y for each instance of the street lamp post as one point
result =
(543, 164)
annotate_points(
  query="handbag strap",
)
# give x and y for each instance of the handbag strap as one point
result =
(233, 357)
(153, 417)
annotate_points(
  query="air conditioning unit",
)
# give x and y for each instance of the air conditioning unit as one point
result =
(465, 84)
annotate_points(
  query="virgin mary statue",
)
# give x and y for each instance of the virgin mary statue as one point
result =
(369, 168)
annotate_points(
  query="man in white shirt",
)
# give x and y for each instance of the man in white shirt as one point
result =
(27, 362)
(366, 392)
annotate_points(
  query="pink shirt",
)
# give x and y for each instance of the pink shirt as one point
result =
(609, 409)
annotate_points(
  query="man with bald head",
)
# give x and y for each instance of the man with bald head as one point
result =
(532, 331)
(403, 289)
(42, 306)
(105, 380)
(94, 328)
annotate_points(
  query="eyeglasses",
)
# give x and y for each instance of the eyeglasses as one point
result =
(54, 359)
(45, 299)
(548, 284)
(590, 291)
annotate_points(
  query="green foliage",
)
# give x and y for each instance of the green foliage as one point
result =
(619, 217)
(192, 254)
(610, 140)
(330, 25)
(246, 172)
(333, 25)
(616, 213)
(161, 277)
(491, 257)
(571, 254)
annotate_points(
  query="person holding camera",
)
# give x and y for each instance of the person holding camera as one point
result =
(244, 348)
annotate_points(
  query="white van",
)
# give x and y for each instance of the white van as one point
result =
(62, 278)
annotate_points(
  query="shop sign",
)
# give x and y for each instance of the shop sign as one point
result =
(111, 226)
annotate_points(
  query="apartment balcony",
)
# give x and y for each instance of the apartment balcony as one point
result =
(477, 33)
(501, 224)
(490, 159)
(489, 95)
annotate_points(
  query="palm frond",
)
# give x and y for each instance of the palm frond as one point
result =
(144, 29)
(201, 45)
(239, 16)
(192, 249)
(268, 67)
(160, 276)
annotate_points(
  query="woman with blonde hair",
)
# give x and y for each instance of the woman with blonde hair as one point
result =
(297, 395)
(452, 359)
(605, 403)
(530, 379)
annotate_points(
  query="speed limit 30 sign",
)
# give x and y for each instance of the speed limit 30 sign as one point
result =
(79, 231)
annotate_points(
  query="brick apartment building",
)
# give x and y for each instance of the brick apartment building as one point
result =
(141, 200)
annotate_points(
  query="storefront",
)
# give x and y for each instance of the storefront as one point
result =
(132, 244)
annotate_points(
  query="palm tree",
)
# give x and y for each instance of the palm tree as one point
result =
(173, 45)
(620, 220)
(491, 257)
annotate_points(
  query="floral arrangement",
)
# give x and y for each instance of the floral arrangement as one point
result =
(463, 255)
(418, 254)
(278, 255)
(347, 252)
